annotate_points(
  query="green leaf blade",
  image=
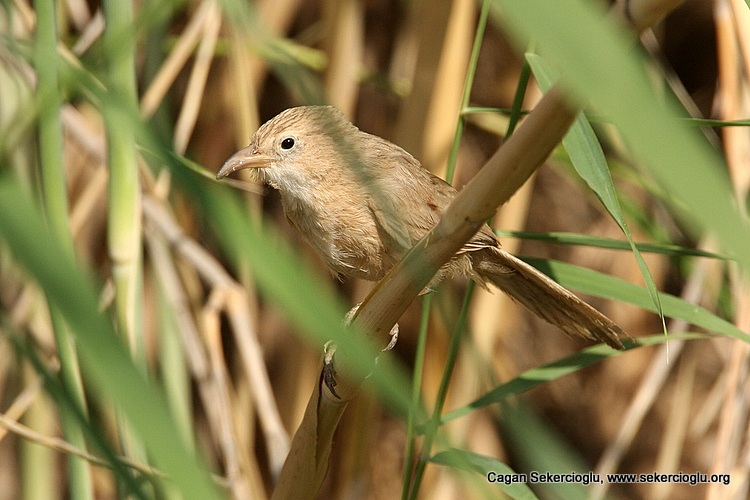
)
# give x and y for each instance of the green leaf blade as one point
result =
(511, 483)
(589, 161)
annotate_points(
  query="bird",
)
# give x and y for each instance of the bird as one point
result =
(362, 202)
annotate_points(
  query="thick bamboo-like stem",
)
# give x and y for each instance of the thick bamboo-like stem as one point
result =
(124, 231)
(124, 213)
(56, 210)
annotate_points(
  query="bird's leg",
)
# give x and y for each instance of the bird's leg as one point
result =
(329, 372)
(329, 350)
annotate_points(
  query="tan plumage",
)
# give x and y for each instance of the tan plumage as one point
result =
(363, 202)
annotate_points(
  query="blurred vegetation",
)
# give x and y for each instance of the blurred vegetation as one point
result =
(160, 333)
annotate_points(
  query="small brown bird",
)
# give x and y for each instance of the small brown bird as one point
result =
(363, 202)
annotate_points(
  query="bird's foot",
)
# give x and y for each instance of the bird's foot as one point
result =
(329, 350)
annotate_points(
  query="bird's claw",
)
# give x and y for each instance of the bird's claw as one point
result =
(329, 350)
(329, 372)
(394, 338)
(393, 333)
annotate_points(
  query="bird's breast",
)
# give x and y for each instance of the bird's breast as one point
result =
(344, 235)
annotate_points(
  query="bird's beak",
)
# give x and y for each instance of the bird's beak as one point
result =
(242, 159)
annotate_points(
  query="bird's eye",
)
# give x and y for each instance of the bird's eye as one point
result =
(287, 143)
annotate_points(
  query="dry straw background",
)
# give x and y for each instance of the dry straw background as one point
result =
(113, 119)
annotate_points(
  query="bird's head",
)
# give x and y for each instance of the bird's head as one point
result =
(296, 148)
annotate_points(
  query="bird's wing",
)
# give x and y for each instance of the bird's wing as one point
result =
(390, 222)
(407, 200)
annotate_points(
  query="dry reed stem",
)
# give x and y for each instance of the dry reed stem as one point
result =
(227, 435)
(167, 276)
(344, 21)
(89, 138)
(741, 15)
(176, 60)
(63, 446)
(673, 441)
(734, 414)
(732, 20)
(732, 423)
(85, 203)
(241, 89)
(251, 355)
(91, 33)
(276, 16)
(235, 303)
(650, 388)
(20, 404)
(79, 12)
(735, 96)
(9, 422)
(307, 463)
(708, 412)
(444, 106)
(403, 60)
(198, 76)
(430, 23)
(21, 313)
(27, 15)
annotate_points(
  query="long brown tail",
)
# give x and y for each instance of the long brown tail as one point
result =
(545, 298)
